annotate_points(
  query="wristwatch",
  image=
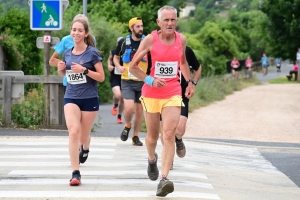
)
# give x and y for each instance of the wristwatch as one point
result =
(192, 81)
(86, 71)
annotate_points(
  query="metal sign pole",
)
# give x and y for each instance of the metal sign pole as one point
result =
(84, 2)
(47, 73)
(46, 15)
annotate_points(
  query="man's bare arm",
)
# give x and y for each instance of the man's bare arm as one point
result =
(54, 59)
(184, 67)
(197, 74)
(116, 61)
(110, 62)
(143, 49)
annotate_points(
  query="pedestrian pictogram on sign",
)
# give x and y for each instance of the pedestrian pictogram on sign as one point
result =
(47, 38)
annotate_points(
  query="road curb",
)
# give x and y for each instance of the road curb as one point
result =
(241, 145)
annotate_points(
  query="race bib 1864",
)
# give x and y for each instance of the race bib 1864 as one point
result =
(75, 78)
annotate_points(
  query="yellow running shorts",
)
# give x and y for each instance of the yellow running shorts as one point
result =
(153, 105)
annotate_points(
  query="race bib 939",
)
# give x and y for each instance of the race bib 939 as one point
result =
(165, 69)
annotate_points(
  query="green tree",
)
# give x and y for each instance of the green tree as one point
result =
(14, 3)
(283, 27)
(15, 21)
(240, 32)
(244, 5)
(213, 47)
(251, 31)
(194, 24)
(207, 3)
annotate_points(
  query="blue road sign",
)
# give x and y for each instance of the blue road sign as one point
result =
(46, 15)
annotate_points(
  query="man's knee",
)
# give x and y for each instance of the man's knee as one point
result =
(152, 138)
(118, 96)
(139, 107)
(129, 105)
(180, 129)
(169, 134)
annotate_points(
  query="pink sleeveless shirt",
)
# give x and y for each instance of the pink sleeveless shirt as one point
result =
(165, 64)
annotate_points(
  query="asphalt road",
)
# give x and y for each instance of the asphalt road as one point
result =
(284, 156)
(39, 167)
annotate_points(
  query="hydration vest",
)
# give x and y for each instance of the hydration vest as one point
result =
(128, 49)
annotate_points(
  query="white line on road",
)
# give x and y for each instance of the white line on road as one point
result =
(92, 164)
(56, 156)
(100, 181)
(103, 194)
(50, 149)
(37, 143)
(97, 173)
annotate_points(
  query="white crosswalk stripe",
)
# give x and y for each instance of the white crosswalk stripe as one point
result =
(101, 182)
(103, 194)
(41, 169)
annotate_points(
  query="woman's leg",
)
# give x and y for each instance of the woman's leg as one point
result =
(73, 118)
(87, 121)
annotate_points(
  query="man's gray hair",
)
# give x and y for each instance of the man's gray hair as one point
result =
(165, 8)
(79, 16)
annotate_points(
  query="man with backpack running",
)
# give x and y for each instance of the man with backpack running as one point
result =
(131, 86)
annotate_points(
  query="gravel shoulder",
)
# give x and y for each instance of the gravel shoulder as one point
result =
(264, 113)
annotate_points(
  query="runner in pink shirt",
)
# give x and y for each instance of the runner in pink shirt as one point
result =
(161, 93)
(235, 64)
(248, 64)
(294, 72)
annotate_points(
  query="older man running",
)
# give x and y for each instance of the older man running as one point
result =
(162, 92)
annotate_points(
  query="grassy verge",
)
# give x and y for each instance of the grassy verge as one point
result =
(282, 80)
(214, 88)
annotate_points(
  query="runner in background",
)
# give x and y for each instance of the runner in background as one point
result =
(235, 64)
(248, 64)
(278, 62)
(196, 69)
(115, 83)
(265, 64)
(131, 86)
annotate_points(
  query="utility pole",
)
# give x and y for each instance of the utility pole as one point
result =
(47, 73)
(84, 5)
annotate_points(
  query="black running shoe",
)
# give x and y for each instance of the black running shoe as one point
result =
(136, 141)
(164, 187)
(152, 169)
(76, 178)
(180, 148)
(124, 134)
(83, 155)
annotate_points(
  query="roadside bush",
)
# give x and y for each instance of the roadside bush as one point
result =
(20, 45)
(30, 113)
